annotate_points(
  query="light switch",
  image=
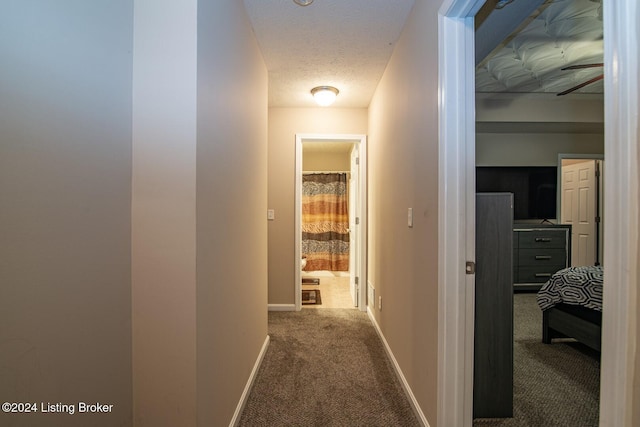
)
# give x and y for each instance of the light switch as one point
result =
(271, 214)
(410, 217)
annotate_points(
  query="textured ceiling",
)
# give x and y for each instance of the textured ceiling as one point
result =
(342, 43)
(348, 43)
(561, 33)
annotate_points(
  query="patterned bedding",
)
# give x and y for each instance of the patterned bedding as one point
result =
(575, 286)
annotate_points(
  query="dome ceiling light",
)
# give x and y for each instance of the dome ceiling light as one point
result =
(324, 95)
(303, 2)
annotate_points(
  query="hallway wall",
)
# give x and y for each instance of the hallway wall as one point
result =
(163, 213)
(65, 209)
(635, 331)
(199, 211)
(403, 173)
(123, 278)
(284, 124)
(231, 194)
(635, 404)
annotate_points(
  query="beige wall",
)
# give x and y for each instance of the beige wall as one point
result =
(328, 161)
(65, 203)
(199, 211)
(231, 208)
(284, 124)
(635, 402)
(635, 413)
(403, 173)
(532, 129)
(539, 149)
(163, 213)
(539, 108)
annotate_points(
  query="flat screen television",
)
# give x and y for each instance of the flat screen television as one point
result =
(534, 188)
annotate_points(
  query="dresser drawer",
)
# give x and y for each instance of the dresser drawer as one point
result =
(537, 274)
(542, 239)
(542, 257)
(538, 252)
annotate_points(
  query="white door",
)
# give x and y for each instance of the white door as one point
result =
(578, 208)
(354, 212)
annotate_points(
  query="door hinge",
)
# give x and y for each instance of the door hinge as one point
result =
(357, 280)
(357, 160)
(470, 267)
(357, 220)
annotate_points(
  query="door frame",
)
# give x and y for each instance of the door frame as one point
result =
(361, 269)
(456, 238)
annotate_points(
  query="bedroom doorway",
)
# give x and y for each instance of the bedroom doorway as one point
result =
(536, 194)
(457, 210)
(334, 157)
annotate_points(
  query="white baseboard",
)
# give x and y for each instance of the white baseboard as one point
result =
(282, 307)
(405, 385)
(247, 388)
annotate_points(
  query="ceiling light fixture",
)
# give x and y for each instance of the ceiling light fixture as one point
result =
(303, 2)
(324, 95)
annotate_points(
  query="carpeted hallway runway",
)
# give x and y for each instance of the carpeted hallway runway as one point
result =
(326, 368)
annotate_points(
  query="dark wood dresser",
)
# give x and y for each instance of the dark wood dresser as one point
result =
(538, 252)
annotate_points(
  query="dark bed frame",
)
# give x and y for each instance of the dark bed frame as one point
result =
(570, 321)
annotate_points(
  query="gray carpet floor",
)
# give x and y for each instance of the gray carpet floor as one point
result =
(326, 368)
(554, 384)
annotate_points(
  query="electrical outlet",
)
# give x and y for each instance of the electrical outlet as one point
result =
(380, 303)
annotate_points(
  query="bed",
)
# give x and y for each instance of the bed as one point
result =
(571, 304)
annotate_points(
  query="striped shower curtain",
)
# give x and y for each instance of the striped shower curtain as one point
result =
(325, 221)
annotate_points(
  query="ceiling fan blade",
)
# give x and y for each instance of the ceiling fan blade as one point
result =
(484, 12)
(579, 67)
(581, 85)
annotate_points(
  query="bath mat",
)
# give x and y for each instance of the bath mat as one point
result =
(311, 296)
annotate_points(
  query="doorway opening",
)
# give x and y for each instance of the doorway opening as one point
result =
(330, 263)
(547, 236)
(581, 204)
(457, 210)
